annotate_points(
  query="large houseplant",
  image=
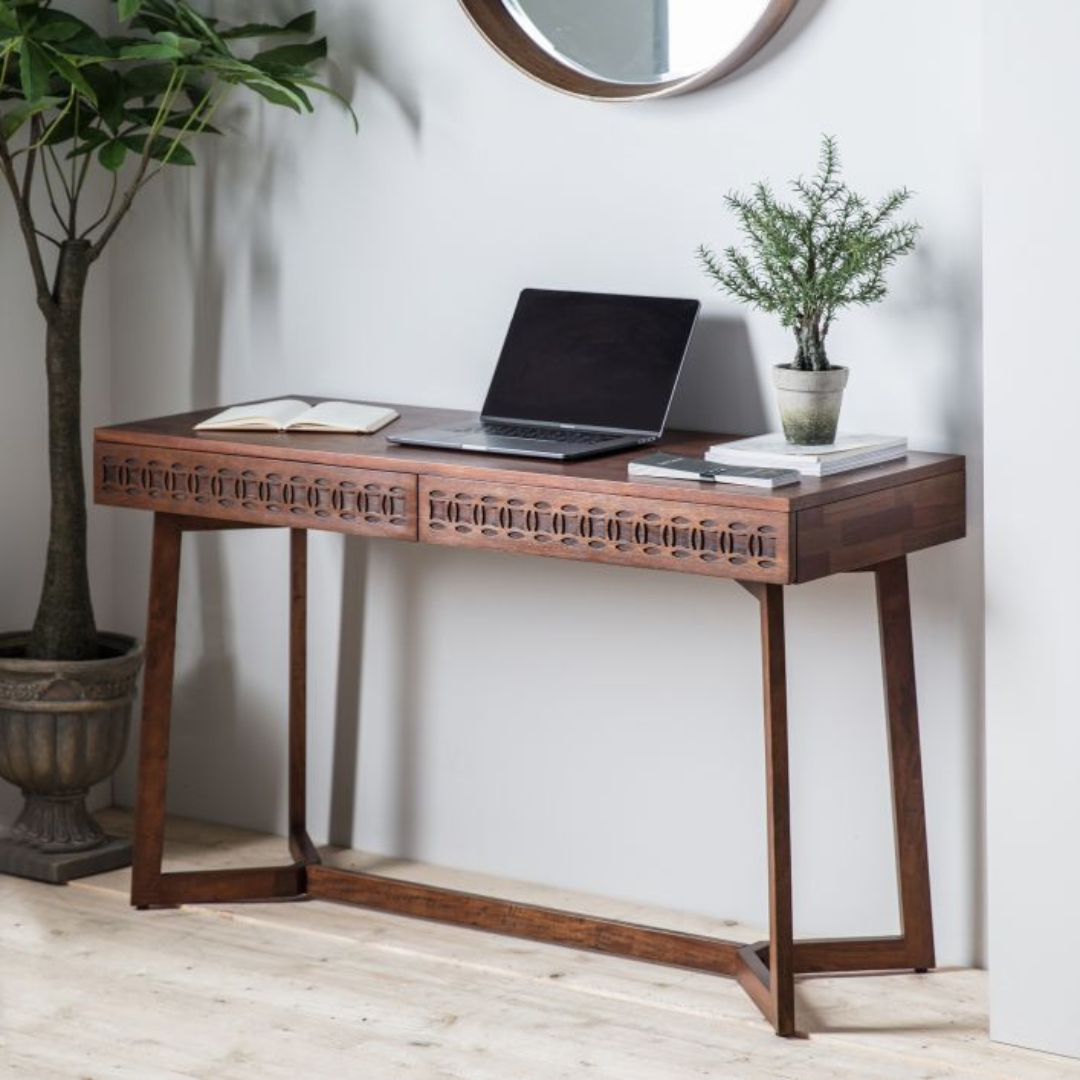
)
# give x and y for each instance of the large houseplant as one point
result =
(126, 102)
(806, 262)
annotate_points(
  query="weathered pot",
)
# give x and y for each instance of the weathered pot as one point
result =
(810, 403)
(63, 728)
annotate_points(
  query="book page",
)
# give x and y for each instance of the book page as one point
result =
(343, 416)
(274, 415)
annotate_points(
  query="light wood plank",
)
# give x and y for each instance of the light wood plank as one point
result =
(90, 988)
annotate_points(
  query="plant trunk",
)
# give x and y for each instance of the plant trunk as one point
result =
(811, 351)
(64, 628)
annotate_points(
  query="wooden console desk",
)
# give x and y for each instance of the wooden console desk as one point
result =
(871, 519)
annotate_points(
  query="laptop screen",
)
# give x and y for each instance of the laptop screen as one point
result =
(591, 359)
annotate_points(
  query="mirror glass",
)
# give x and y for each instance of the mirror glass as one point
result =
(638, 42)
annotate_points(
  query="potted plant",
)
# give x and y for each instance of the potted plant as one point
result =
(75, 100)
(807, 262)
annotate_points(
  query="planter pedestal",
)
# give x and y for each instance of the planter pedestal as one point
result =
(23, 860)
(63, 728)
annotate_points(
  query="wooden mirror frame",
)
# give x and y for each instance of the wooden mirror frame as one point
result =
(502, 32)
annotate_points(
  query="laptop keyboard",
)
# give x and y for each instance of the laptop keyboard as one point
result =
(524, 431)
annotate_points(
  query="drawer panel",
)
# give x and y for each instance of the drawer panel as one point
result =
(869, 529)
(692, 537)
(235, 488)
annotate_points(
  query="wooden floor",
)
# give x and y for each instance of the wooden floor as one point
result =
(91, 989)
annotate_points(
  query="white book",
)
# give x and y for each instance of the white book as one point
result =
(773, 450)
(292, 414)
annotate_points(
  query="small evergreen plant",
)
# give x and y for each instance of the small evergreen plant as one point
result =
(808, 261)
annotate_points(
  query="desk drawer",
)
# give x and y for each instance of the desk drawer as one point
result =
(693, 537)
(231, 488)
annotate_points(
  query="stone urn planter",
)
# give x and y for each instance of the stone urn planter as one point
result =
(63, 728)
(810, 403)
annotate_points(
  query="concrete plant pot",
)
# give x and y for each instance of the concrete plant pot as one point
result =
(63, 728)
(810, 403)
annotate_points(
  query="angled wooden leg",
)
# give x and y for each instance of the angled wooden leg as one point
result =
(914, 946)
(156, 712)
(149, 886)
(909, 814)
(303, 850)
(767, 970)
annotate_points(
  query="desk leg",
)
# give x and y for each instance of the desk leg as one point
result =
(913, 948)
(905, 759)
(303, 850)
(156, 711)
(767, 970)
(149, 885)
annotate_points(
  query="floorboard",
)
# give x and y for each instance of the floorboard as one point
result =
(92, 989)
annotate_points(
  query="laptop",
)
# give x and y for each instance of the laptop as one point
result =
(580, 374)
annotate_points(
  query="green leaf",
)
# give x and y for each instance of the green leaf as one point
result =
(253, 30)
(109, 88)
(176, 121)
(57, 26)
(128, 9)
(291, 55)
(89, 140)
(70, 73)
(181, 42)
(302, 24)
(34, 70)
(88, 48)
(7, 18)
(14, 118)
(290, 85)
(276, 93)
(112, 155)
(197, 24)
(147, 81)
(160, 148)
(320, 88)
(151, 50)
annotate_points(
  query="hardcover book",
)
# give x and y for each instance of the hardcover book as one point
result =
(774, 451)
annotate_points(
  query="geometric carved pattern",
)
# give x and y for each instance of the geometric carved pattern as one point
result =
(247, 489)
(694, 537)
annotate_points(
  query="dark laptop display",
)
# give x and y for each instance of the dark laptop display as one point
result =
(592, 360)
(579, 374)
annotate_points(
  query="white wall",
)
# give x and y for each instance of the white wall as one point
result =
(1032, 386)
(504, 716)
(24, 441)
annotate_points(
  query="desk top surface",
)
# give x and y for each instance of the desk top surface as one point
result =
(601, 474)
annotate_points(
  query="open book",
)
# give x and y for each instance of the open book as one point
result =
(291, 414)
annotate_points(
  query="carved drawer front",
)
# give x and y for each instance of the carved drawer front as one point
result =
(694, 537)
(258, 491)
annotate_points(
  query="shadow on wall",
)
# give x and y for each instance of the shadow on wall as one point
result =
(719, 388)
(232, 190)
(350, 674)
(955, 302)
(359, 32)
(794, 27)
(401, 785)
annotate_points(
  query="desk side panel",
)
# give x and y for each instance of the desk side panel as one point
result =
(697, 538)
(868, 529)
(257, 491)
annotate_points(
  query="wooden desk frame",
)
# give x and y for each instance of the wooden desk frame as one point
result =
(127, 476)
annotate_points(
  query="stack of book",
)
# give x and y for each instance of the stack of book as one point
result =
(775, 452)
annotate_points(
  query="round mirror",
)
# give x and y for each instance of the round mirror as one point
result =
(625, 50)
